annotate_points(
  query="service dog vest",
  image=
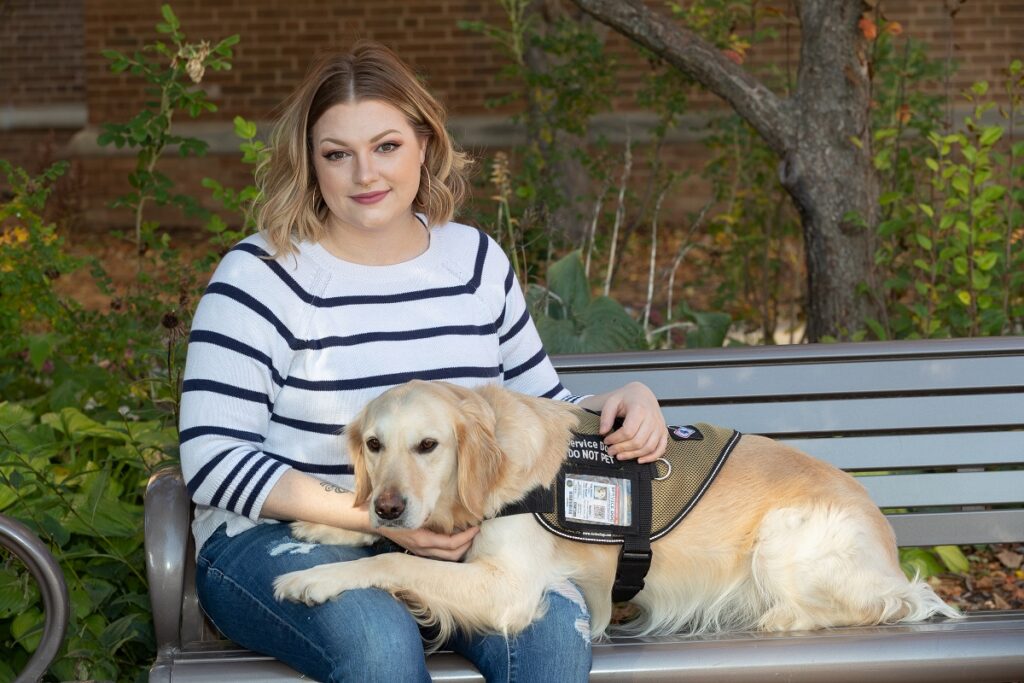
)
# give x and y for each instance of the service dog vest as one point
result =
(596, 498)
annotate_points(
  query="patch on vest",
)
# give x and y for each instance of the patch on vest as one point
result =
(595, 495)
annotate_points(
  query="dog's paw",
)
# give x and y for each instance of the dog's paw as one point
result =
(331, 535)
(309, 586)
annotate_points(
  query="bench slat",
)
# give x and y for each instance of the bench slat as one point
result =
(963, 449)
(958, 528)
(935, 413)
(935, 652)
(825, 379)
(946, 489)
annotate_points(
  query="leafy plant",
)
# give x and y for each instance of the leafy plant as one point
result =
(78, 482)
(951, 244)
(570, 320)
(183, 65)
(90, 396)
(940, 559)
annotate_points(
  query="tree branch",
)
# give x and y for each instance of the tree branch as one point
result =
(769, 114)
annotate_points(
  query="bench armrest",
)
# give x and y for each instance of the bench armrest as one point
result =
(167, 533)
(25, 545)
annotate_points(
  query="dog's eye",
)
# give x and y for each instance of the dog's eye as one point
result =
(373, 444)
(427, 445)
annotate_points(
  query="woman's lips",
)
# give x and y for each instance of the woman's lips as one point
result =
(370, 197)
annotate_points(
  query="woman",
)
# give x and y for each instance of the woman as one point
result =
(357, 281)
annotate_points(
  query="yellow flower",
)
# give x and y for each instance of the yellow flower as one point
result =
(20, 234)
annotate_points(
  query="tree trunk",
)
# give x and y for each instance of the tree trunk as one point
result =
(828, 176)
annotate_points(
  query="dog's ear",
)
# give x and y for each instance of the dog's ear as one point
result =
(354, 433)
(533, 432)
(479, 457)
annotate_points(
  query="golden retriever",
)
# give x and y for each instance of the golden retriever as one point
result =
(780, 541)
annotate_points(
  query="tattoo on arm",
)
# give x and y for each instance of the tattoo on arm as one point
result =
(333, 488)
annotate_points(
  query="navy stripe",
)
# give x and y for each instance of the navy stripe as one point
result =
(400, 335)
(244, 461)
(392, 379)
(259, 487)
(531, 363)
(250, 302)
(226, 390)
(233, 501)
(509, 279)
(278, 270)
(195, 482)
(196, 432)
(317, 427)
(554, 391)
(312, 468)
(520, 324)
(333, 302)
(225, 342)
(478, 267)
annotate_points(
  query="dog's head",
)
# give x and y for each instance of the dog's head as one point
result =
(425, 454)
(436, 455)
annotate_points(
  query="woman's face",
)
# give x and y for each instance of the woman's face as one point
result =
(367, 160)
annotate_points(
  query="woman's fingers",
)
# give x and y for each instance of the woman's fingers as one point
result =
(431, 544)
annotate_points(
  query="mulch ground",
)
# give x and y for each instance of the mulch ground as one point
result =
(995, 580)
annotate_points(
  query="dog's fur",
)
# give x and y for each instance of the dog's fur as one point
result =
(780, 541)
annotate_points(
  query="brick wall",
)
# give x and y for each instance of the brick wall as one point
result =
(50, 61)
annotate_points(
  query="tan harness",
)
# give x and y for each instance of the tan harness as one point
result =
(596, 498)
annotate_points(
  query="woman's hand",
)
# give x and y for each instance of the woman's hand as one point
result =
(426, 543)
(643, 435)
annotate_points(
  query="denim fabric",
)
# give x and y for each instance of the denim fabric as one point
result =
(365, 635)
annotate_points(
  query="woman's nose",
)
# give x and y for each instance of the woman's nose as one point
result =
(366, 171)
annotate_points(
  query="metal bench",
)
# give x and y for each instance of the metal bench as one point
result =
(940, 425)
(26, 546)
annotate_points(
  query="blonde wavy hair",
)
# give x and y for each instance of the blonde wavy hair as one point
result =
(290, 208)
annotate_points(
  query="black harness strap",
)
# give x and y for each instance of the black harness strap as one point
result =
(635, 554)
(538, 500)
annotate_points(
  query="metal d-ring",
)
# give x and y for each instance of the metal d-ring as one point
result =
(667, 474)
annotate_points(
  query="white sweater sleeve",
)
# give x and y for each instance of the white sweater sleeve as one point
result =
(526, 365)
(238, 352)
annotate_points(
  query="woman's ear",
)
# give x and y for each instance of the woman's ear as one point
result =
(424, 141)
(354, 433)
(478, 456)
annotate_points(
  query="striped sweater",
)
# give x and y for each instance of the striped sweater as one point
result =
(284, 352)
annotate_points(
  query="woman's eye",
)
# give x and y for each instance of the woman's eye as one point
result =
(335, 156)
(373, 444)
(427, 445)
(388, 147)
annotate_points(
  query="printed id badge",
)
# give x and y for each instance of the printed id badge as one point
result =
(597, 501)
(593, 499)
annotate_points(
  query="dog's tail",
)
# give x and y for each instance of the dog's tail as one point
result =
(919, 602)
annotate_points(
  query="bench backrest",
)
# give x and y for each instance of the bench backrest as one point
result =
(936, 428)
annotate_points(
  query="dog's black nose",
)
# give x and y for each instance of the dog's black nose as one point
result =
(389, 504)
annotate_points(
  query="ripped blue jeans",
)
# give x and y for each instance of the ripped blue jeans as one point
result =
(366, 635)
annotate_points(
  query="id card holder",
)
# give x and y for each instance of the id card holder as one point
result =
(598, 499)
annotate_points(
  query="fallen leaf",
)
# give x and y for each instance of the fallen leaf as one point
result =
(1010, 559)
